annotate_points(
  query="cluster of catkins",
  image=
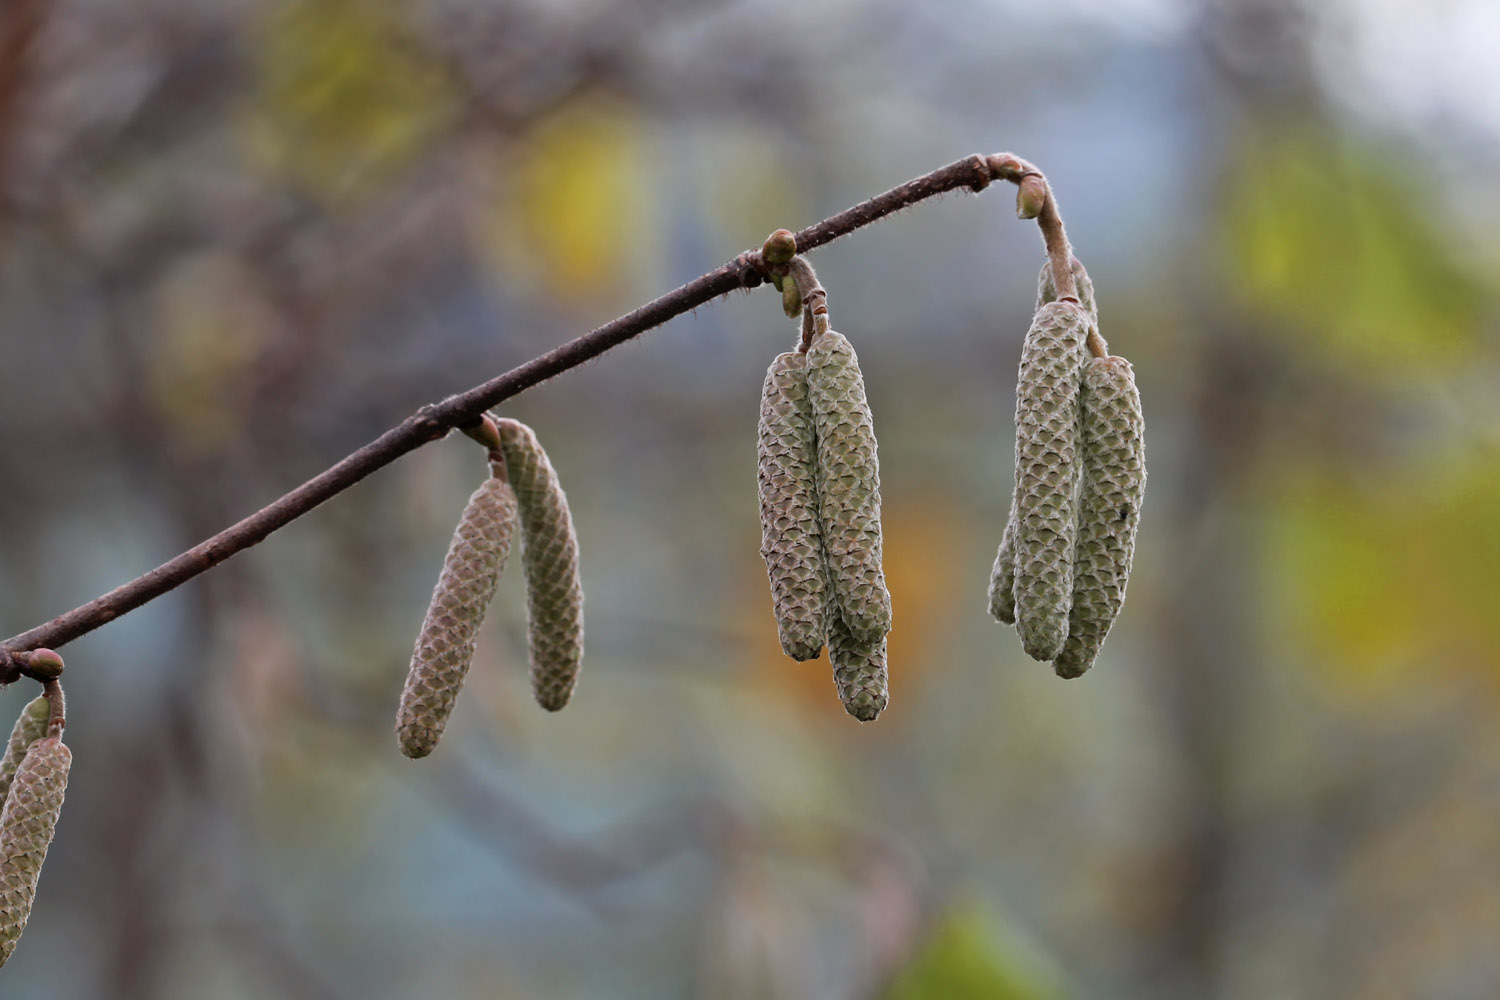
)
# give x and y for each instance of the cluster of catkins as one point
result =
(820, 504)
(522, 490)
(1064, 560)
(33, 779)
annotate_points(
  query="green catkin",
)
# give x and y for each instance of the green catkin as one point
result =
(30, 726)
(791, 539)
(554, 595)
(26, 827)
(1046, 459)
(848, 486)
(445, 646)
(1003, 573)
(1113, 446)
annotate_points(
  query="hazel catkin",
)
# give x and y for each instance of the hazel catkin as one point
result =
(26, 826)
(31, 725)
(859, 670)
(848, 486)
(549, 549)
(445, 646)
(1003, 573)
(791, 539)
(1046, 457)
(1113, 446)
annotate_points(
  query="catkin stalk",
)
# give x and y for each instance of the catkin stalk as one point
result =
(26, 826)
(445, 646)
(1047, 292)
(791, 539)
(1113, 444)
(30, 726)
(1046, 457)
(848, 486)
(554, 594)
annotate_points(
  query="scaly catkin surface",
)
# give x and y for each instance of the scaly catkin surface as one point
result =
(445, 646)
(1113, 444)
(31, 725)
(1046, 292)
(1003, 573)
(26, 827)
(848, 481)
(859, 670)
(791, 541)
(1046, 457)
(554, 595)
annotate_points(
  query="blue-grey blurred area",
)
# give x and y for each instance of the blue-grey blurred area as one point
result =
(239, 239)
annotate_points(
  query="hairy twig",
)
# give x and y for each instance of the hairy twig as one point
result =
(434, 421)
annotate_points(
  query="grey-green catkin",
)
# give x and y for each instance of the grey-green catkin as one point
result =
(445, 645)
(848, 486)
(31, 725)
(859, 670)
(1046, 467)
(1113, 445)
(554, 593)
(1003, 573)
(27, 824)
(791, 539)
(1046, 291)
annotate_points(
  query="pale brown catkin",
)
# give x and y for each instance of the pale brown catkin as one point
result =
(1046, 458)
(848, 486)
(1003, 573)
(1113, 444)
(26, 826)
(859, 670)
(791, 539)
(554, 594)
(445, 646)
(31, 725)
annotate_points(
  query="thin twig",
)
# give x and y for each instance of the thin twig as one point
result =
(435, 420)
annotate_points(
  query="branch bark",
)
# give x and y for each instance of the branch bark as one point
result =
(436, 420)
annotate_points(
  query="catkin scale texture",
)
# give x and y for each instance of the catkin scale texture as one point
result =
(1113, 445)
(445, 646)
(26, 826)
(848, 486)
(859, 670)
(1003, 573)
(31, 725)
(554, 594)
(1046, 291)
(791, 539)
(1046, 468)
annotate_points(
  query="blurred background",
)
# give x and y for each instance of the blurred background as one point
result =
(239, 239)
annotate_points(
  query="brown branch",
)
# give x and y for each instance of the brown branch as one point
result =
(433, 421)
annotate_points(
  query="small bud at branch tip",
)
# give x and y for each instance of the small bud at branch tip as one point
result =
(780, 247)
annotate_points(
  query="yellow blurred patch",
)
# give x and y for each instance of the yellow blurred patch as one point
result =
(345, 97)
(1382, 581)
(1322, 240)
(210, 323)
(570, 211)
(922, 542)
